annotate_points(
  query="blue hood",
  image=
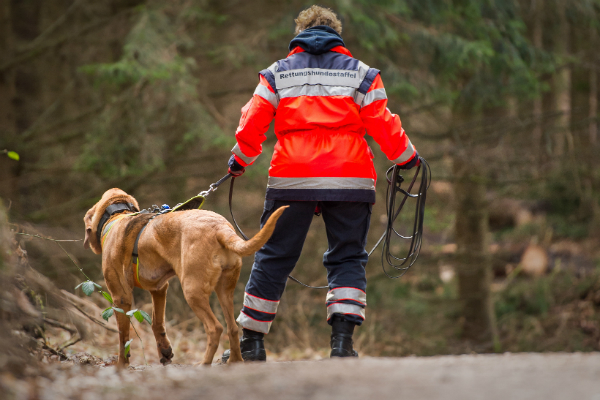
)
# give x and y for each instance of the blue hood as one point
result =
(317, 40)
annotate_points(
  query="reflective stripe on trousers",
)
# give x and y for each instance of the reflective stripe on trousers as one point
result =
(254, 325)
(343, 308)
(257, 313)
(347, 293)
(262, 305)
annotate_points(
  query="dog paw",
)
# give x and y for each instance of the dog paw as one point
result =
(165, 362)
(167, 356)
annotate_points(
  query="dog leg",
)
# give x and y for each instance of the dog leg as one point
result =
(123, 298)
(124, 324)
(225, 288)
(159, 301)
(197, 295)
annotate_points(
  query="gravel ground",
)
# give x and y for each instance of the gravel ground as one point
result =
(490, 377)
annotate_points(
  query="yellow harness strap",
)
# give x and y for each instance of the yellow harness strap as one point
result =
(109, 226)
(135, 264)
(135, 261)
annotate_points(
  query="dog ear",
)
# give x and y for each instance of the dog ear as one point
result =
(90, 240)
(86, 243)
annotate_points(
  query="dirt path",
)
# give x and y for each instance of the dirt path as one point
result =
(490, 377)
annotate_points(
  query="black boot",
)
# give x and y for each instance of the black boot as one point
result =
(341, 337)
(252, 345)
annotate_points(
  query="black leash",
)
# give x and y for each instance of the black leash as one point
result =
(231, 209)
(394, 189)
(246, 237)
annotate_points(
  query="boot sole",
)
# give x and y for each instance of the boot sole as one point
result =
(260, 356)
(338, 352)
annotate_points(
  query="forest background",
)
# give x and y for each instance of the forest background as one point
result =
(500, 96)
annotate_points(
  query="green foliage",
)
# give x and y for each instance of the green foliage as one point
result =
(148, 92)
(140, 315)
(107, 296)
(88, 287)
(568, 214)
(146, 317)
(546, 313)
(106, 314)
(109, 312)
(469, 51)
(149, 55)
(530, 302)
(11, 154)
(128, 347)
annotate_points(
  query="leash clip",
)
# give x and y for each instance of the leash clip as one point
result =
(214, 186)
(211, 189)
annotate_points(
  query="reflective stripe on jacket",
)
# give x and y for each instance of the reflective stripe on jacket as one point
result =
(323, 104)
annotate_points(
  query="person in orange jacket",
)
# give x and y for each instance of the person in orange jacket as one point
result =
(323, 101)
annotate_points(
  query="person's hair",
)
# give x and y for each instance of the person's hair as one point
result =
(316, 15)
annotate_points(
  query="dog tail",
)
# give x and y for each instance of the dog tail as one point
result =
(246, 248)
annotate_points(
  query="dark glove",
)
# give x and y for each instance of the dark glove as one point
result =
(235, 168)
(412, 163)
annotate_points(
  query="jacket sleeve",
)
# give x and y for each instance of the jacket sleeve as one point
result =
(257, 114)
(385, 127)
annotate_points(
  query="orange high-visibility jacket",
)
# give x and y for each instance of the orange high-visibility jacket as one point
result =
(323, 104)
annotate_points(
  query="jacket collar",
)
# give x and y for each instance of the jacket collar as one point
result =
(317, 40)
(337, 49)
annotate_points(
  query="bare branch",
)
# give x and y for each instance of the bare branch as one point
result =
(69, 342)
(48, 238)
(59, 21)
(55, 352)
(60, 325)
(47, 112)
(108, 328)
(36, 51)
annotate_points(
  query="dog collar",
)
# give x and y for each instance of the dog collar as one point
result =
(110, 210)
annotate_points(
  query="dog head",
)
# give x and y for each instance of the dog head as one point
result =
(93, 215)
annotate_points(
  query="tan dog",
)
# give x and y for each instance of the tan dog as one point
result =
(200, 247)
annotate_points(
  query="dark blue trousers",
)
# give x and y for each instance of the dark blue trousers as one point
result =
(347, 224)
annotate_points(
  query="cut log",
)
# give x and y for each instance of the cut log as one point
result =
(534, 261)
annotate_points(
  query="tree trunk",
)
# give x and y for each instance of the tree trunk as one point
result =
(562, 83)
(7, 111)
(537, 133)
(471, 231)
(593, 113)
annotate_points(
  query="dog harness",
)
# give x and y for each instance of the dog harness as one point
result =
(135, 260)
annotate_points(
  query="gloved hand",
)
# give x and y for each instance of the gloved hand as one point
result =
(235, 168)
(412, 163)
